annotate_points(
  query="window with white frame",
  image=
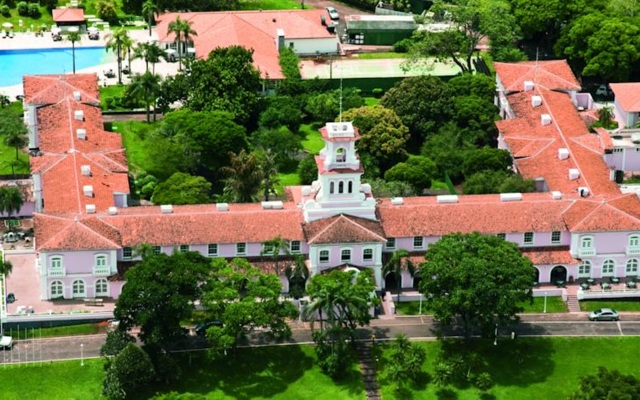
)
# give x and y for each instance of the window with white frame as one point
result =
(56, 262)
(78, 288)
(555, 237)
(267, 248)
(502, 236)
(418, 242)
(101, 260)
(584, 269)
(632, 267)
(212, 249)
(57, 289)
(345, 255)
(586, 242)
(294, 246)
(127, 253)
(528, 238)
(241, 249)
(156, 249)
(184, 248)
(102, 287)
(367, 255)
(323, 256)
(391, 243)
(634, 241)
(608, 267)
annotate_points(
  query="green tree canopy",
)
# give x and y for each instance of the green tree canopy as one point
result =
(281, 142)
(480, 280)
(11, 200)
(404, 364)
(325, 106)
(282, 111)
(243, 299)
(243, 177)
(126, 374)
(479, 85)
(182, 188)
(226, 80)
(486, 182)
(608, 385)
(159, 295)
(485, 159)
(308, 170)
(382, 134)
(417, 171)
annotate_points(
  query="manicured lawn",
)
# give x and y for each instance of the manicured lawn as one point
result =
(8, 155)
(381, 55)
(617, 304)
(287, 179)
(44, 18)
(133, 134)
(270, 5)
(528, 368)
(73, 330)
(110, 92)
(554, 305)
(313, 142)
(262, 373)
(371, 101)
(52, 381)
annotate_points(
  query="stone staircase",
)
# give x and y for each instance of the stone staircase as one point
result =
(368, 371)
(572, 303)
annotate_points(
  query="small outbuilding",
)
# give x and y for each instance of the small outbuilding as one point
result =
(66, 18)
(383, 30)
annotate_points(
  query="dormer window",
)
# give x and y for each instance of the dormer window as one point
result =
(341, 155)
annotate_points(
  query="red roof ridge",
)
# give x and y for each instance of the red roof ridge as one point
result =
(63, 80)
(578, 140)
(343, 217)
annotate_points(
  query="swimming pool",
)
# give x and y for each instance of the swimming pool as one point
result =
(16, 63)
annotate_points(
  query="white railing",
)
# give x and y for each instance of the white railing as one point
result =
(103, 270)
(57, 272)
(633, 250)
(607, 293)
(587, 252)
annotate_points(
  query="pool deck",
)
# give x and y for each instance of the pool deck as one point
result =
(23, 41)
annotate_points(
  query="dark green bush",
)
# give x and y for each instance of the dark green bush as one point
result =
(23, 8)
(5, 10)
(34, 10)
(377, 93)
(403, 46)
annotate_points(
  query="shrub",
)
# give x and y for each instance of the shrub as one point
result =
(109, 103)
(23, 8)
(377, 93)
(5, 10)
(34, 10)
(403, 45)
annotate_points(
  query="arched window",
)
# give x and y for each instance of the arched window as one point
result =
(101, 260)
(608, 267)
(632, 267)
(57, 289)
(331, 187)
(586, 242)
(78, 288)
(102, 287)
(341, 187)
(584, 269)
(350, 187)
(634, 241)
(341, 155)
(56, 262)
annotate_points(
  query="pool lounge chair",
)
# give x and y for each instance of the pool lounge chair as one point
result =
(10, 34)
(4, 34)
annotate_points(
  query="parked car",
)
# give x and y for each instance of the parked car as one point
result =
(201, 329)
(6, 342)
(333, 13)
(604, 314)
(603, 90)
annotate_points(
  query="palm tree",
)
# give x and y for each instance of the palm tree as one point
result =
(297, 276)
(183, 31)
(394, 266)
(274, 248)
(127, 46)
(269, 168)
(146, 87)
(11, 200)
(74, 36)
(116, 43)
(243, 177)
(149, 9)
(151, 53)
(5, 267)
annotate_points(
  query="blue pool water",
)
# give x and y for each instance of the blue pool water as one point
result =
(16, 63)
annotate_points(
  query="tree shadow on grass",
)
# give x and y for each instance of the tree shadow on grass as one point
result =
(247, 374)
(446, 394)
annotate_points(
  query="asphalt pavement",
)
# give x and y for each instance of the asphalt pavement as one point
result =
(419, 328)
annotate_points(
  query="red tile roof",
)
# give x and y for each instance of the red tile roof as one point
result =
(53, 233)
(68, 15)
(343, 229)
(64, 154)
(627, 95)
(549, 256)
(535, 147)
(251, 29)
(553, 75)
(49, 89)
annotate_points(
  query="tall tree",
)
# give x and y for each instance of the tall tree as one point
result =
(116, 42)
(73, 36)
(243, 177)
(159, 295)
(149, 10)
(269, 170)
(6, 267)
(478, 279)
(297, 275)
(394, 266)
(127, 373)
(182, 188)
(405, 362)
(146, 88)
(151, 53)
(243, 299)
(275, 248)
(608, 385)
(11, 200)
(183, 32)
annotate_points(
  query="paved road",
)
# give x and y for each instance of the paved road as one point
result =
(66, 348)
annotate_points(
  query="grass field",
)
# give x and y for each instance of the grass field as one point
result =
(44, 18)
(371, 101)
(72, 330)
(313, 142)
(287, 179)
(262, 373)
(527, 368)
(132, 133)
(554, 305)
(617, 304)
(270, 5)
(381, 55)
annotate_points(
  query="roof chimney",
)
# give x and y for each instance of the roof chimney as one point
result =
(91, 208)
(78, 115)
(563, 153)
(222, 206)
(447, 198)
(86, 170)
(536, 101)
(528, 85)
(510, 196)
(166, 208)
(397, 201)
(87, 190)
(584, 191)
(77, 96)
(81, 133)
(574, 173)
(113, 210)
(545, 119)
(556, 195)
